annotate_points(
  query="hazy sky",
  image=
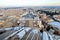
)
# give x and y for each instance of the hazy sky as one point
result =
(4, 3)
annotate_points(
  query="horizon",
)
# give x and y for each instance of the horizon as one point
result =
(32, 7)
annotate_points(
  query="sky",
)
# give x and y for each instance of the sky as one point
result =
(12, 3)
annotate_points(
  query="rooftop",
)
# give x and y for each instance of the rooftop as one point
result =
(55, 24)
(30, 15)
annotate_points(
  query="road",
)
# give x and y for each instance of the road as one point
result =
(25, 36)
(32, 35)
(2, 36)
